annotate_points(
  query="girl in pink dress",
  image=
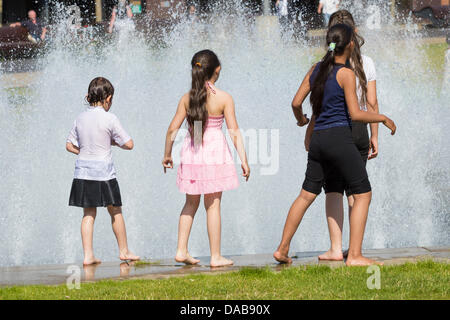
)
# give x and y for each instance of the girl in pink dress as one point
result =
(207, 165)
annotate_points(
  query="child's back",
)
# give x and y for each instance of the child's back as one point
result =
(93, 132)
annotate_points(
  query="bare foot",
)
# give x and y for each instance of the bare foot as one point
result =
(220, 262)
(129, 256)
(331, 256)
(281, 257)
(186, 259)
(361, 261)
(91, 261)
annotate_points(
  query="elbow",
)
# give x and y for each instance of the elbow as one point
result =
(129, 145)
(296, 106)
(356, 116)
(68, 147)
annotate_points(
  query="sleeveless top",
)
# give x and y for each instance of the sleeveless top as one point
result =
(334, 108)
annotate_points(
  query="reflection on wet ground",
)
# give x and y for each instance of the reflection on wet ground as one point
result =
(160, 269)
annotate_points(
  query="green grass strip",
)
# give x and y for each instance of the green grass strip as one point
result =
(421, 280)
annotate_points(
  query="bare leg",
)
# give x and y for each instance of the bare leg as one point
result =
(351, 202)
(212, 206)
(358, 220)
(184, 229)
(335, 220)
(293, 220)
(118, 225)
(87, 233)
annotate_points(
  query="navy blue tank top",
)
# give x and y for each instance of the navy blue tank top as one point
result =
(334, 108)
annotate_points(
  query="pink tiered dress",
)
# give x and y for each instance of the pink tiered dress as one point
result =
(207, 167)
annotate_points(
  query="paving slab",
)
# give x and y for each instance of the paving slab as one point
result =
(164, 268)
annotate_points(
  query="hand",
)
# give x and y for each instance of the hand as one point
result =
(303, 121)
(307, 142)
(373, 149)
(245, 171)
(390, 124)
(167, 163)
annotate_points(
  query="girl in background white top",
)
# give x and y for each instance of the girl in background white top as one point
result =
(367, 96)
(327, 8)
(94, 184)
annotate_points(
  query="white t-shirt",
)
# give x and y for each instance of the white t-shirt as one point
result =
(371, 75)
(330, 6)
(93, 132)
(283, 8)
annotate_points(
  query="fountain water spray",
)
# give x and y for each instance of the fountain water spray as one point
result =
(409, 178)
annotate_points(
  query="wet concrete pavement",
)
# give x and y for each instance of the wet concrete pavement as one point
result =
(157, 269)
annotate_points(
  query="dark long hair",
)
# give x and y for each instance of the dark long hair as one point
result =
(204, 63)
(99, 89)
(345, 17)
(341, 35)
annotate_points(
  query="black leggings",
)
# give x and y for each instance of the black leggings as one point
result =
(333, 153)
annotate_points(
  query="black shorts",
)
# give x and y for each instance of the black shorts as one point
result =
(333, 153)
(334, 182)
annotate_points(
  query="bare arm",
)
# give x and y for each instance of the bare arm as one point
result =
(15, 24)
(372, 106)
(319, 9)
(129, 145)
(44, 32)
(235, 134)
(309, 132)
(176, 123)
(71, 148)
(129, 12)
(302, 92)
(112, 21)
(347, 80)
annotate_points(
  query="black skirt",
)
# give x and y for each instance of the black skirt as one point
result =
(91, 193)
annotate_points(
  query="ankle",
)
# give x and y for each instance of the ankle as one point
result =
(354, 254)
(283, 248)
(336, 249)
(182, 252)
(124, 252)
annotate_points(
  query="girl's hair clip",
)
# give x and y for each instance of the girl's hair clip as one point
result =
(198, 64)
(332, 46)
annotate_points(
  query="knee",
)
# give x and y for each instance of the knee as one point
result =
(90, 212)
(114, 210)
(366, 197)
(192, 204)
(212, 200)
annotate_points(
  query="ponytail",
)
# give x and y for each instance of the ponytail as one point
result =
(204, 63)
(338, 37)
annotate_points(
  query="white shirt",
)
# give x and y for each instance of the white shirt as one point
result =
(92, 132)
(329, 6)
(283, 8)
(371, 75)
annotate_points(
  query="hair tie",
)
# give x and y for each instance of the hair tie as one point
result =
(332, 46)
(198, 64)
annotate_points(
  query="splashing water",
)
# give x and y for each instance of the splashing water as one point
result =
(262, 71)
